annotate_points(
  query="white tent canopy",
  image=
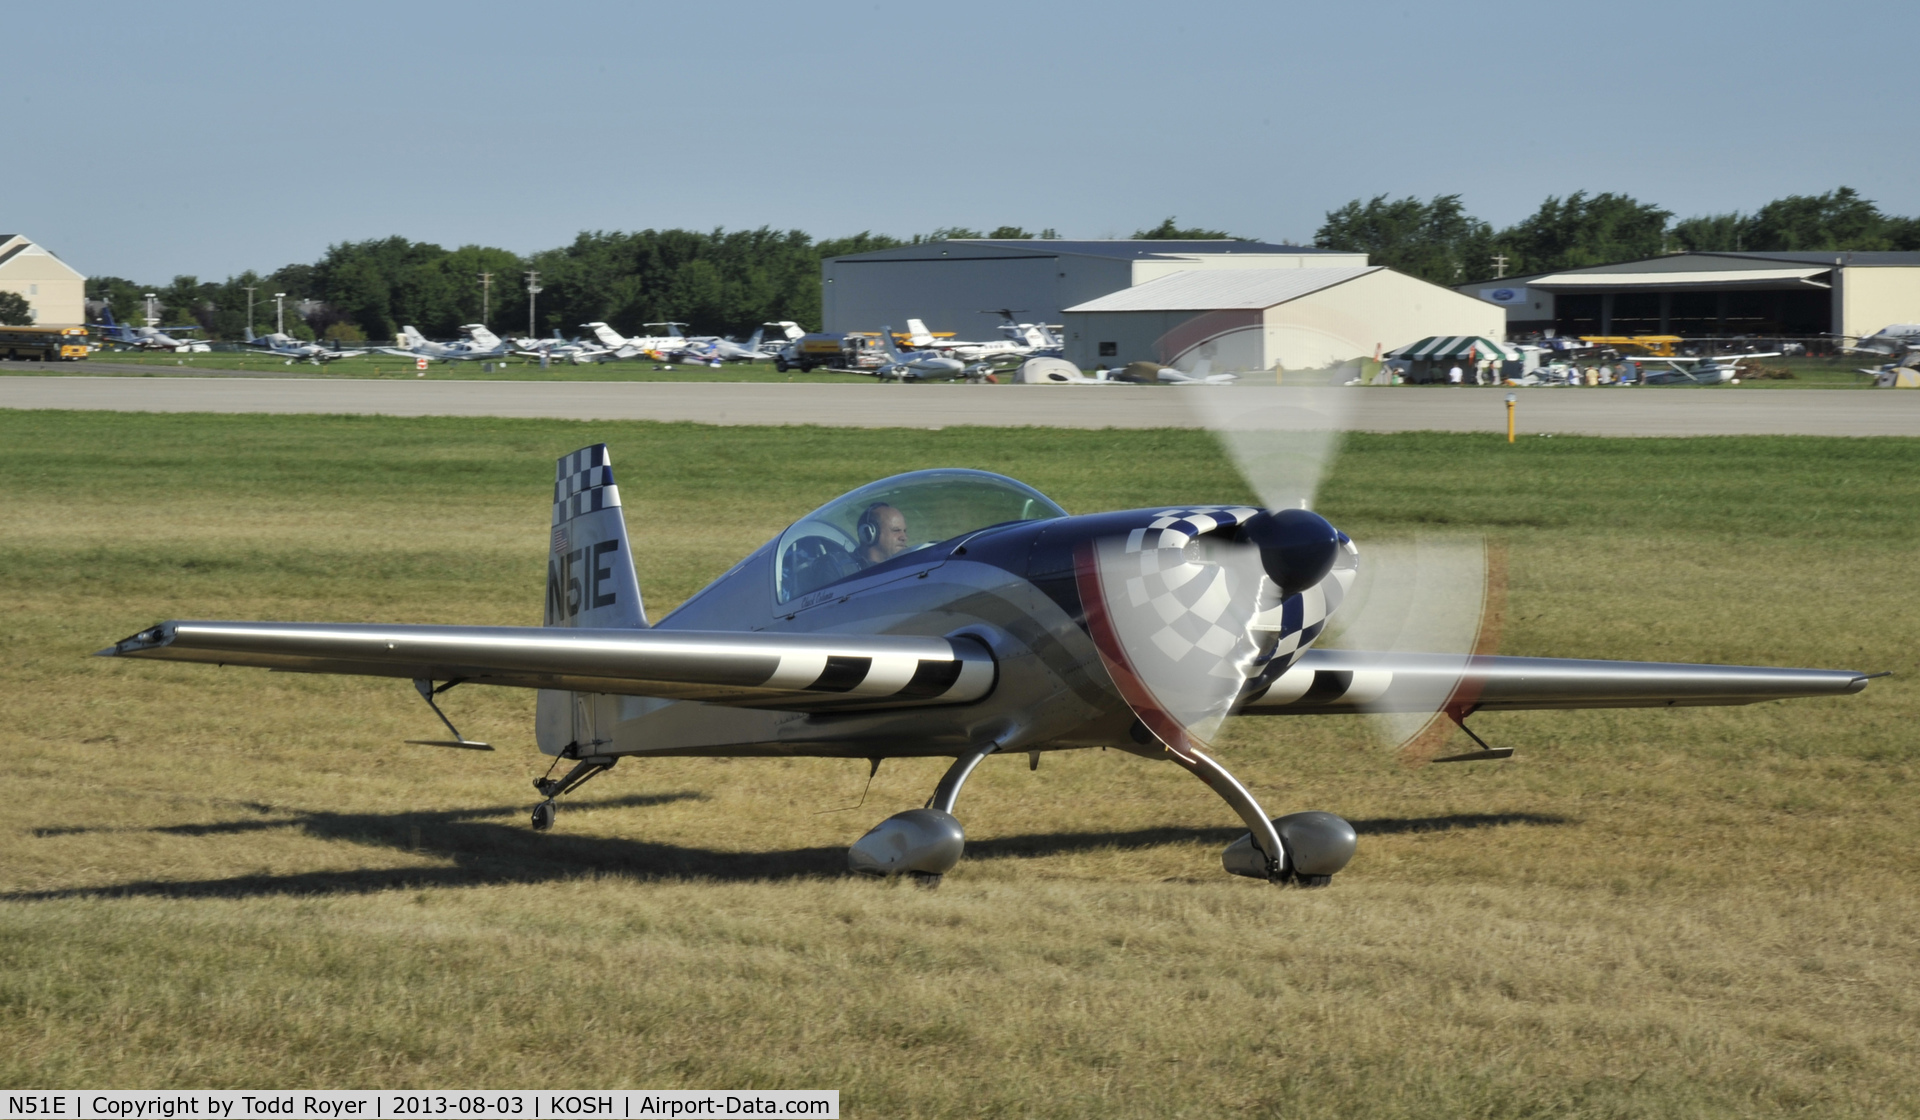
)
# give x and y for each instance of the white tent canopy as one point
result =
(1455, 347)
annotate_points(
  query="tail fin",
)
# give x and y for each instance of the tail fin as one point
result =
(918, 334)
(886, 345)
(483, 338)
(607, 335)
(590, 577)
(753, 340)
(250, 334)
(409, 338)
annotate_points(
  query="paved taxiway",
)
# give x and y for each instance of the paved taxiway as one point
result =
(1611, 412)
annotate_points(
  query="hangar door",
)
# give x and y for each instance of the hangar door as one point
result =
(949, 293)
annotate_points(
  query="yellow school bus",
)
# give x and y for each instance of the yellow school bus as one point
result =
(45, 344)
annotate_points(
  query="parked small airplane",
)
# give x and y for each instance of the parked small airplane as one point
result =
(1044, 341)
(479, 344)
(896, 366)
(1002, 351)
(146, 338)
(790, 331)
(614, 347)
(1706, 369)
(293, 350)
(555, 349)
(1900, 345)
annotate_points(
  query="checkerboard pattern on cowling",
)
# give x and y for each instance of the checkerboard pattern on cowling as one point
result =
(1192, 598)
(583, 482)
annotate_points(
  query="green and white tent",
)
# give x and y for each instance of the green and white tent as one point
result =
(1456, 348)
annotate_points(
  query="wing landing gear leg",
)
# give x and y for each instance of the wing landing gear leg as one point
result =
(427, 693)
(1459, 717)
(582, 772)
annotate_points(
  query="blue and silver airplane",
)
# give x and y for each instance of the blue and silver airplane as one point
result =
(960, 614)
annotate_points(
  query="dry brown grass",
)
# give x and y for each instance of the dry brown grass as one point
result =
(232, 878)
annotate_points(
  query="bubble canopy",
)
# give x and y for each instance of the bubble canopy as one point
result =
(896, 516)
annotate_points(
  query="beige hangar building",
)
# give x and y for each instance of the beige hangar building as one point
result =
(56, 293)
(1256, 319)
(1708, 295)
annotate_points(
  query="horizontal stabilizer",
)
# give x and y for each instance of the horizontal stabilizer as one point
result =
(805, 672)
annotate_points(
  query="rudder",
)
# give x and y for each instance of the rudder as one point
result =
(591, 580)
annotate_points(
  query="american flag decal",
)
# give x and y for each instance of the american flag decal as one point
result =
(560, 538)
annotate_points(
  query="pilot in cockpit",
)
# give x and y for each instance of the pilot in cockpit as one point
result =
(883, 534)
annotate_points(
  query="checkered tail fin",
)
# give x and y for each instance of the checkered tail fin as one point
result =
(590, 576)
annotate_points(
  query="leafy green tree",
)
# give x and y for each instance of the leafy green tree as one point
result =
(1010, 233)
(14, 310)
(1711, 233)
(1579, 231)
(1839, 219)
(1436, 240)
(1168, 230)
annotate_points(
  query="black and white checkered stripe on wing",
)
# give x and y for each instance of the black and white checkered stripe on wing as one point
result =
(903, 676)
(583, 483)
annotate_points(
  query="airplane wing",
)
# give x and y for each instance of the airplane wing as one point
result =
(399, 353)
(804, 672)
(1353, 680)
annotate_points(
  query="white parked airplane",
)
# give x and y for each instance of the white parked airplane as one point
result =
(1003, 351)
(293, 350)
(147, 338)
(479, 344)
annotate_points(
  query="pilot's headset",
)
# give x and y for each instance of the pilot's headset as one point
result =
(868, 527)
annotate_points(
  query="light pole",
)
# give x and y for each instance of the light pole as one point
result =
(533, 289)
(248, 288)
(280, 312)
(152, 319)
(486, 290)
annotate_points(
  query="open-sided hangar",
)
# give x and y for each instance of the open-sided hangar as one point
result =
(1255, 319)
(953, 285)
(1703, 295)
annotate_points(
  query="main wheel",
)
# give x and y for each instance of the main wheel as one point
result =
(543, 816)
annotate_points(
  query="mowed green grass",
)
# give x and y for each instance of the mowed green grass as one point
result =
(233, 878)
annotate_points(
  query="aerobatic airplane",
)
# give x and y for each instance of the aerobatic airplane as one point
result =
(956, 613)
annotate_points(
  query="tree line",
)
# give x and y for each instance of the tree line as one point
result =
(1438, 240)
(719, 282)
(729, 282)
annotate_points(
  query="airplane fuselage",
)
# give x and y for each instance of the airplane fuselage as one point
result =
(1020, 590)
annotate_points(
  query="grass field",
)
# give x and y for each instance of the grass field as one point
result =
(228, 878)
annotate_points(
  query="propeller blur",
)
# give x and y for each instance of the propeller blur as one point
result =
(957, 613)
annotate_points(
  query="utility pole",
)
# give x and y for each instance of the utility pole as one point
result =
(533, 289)
(249, 290)
(486, 290)
(152, 319)
(1499, 265)
(280, 312)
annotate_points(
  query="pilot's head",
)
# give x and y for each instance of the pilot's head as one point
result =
(883, 532)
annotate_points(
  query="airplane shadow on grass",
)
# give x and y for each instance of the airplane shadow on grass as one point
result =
(486, 851)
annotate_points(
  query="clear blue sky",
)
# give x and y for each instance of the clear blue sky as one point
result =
(207, 138)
